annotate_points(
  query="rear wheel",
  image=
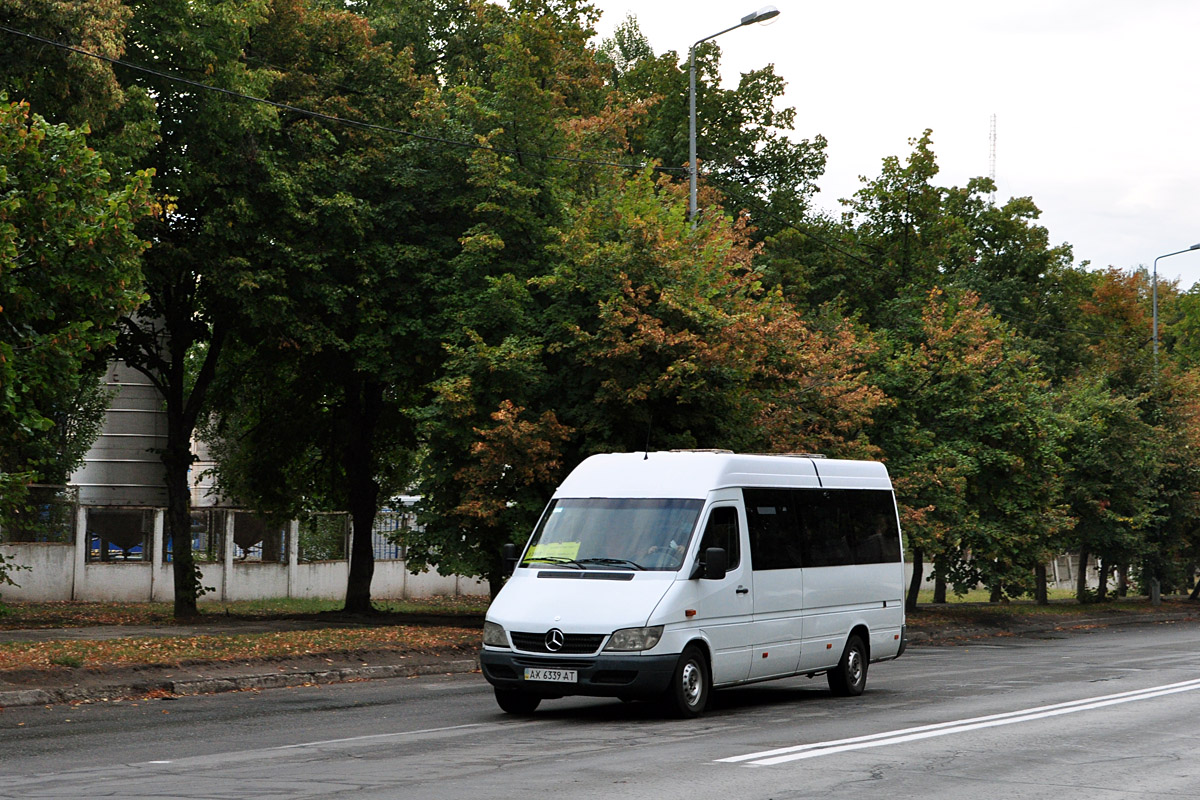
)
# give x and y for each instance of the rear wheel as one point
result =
(691, 684)
(515, 701)
(849, 677)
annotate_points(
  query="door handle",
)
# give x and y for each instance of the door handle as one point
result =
(743, 590)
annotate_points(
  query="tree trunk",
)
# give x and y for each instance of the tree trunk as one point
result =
(914, 586)
(939, 589)
(1102, 585)
(364, 403)
(177, 459)
(159, 350)
(1041, 592)
(1123, 580)
(1195, 595)
(495, 579)
(362, 552)
(1081, 576)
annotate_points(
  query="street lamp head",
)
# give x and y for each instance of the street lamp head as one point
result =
(762, 15)
(1196, 246)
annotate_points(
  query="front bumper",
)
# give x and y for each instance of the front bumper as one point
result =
(605, 675)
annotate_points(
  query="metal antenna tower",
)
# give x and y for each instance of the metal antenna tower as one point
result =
(992, 159)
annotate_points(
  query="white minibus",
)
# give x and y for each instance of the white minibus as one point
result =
(665, 575)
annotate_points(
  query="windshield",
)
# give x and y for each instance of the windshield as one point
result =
(607, 533)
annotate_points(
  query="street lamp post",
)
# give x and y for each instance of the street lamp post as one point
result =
(763, 14)
(1155, 586)
(1154, 292)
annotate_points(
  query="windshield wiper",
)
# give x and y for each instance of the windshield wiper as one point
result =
(566, 562)
(612, 562)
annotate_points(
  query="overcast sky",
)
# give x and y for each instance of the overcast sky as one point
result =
(1097, 102)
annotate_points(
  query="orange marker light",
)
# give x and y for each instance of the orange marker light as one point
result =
(689, 613)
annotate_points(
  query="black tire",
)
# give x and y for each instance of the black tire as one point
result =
(849, 677)
(514, 701)
(691, 684)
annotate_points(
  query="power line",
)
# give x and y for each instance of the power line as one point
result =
(329, 117)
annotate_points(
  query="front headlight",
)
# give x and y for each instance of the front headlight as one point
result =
(632, 639)
(494, 635)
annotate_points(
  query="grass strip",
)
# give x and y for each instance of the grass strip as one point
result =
(176, 650)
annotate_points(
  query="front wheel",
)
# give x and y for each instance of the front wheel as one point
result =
(691, 684)
(849, 677)
(515, 701)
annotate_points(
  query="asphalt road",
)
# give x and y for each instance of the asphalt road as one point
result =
(1110, 713)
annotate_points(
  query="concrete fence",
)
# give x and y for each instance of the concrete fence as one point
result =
(122, 555)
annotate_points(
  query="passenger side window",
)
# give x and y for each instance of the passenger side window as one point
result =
(722, 531)
(775, 541)
(848, 526)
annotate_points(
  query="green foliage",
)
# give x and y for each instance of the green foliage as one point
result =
(67, 660)
(351, 311)
(323, 537)
(1110, 470)
(68, 269)
(72, 88)
(7, 568)
(645, 333)
(973, 445)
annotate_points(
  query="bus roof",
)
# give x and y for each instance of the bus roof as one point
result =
(693, 474)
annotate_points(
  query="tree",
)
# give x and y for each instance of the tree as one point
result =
(342, 324)
(645, 334)
(974, 445)
(1110, 472)
(206, 243)
(69, 268)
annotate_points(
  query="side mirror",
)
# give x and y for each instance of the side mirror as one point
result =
(508, 553)
(716, 563)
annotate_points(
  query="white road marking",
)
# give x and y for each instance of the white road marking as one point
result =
(813, 750)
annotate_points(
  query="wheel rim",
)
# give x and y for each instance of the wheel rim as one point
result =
(854, 666)
(691, 681)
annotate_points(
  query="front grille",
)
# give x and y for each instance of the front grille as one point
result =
(554, 663)
(573, 643)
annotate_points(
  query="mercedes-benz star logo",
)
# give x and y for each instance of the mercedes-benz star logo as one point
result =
(555, 639)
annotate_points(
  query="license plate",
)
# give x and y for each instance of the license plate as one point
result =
(552, 675)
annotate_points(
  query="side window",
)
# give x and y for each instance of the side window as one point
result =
(874, 534)
(722, 531)
(774, 529)
(848, 526)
